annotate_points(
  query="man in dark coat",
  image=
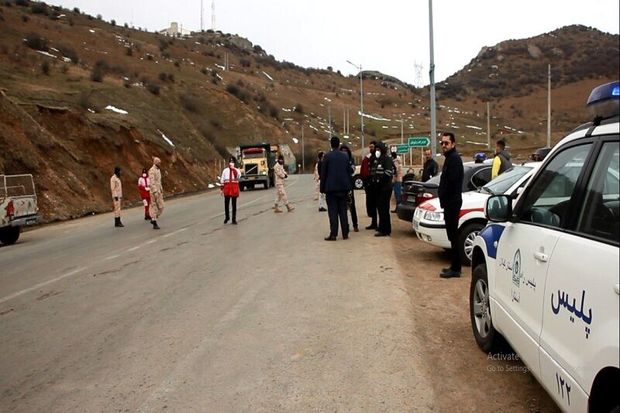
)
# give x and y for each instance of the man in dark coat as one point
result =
(336, 184)
(369, 189)
(430, 166)
(450, 199)
(381, 174)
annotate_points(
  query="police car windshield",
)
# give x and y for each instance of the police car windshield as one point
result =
(502, 183)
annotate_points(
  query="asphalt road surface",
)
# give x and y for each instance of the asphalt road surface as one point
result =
(205, 317)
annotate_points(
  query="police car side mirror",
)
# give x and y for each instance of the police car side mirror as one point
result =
(498, 208)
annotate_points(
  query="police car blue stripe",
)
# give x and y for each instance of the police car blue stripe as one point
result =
(491, 235)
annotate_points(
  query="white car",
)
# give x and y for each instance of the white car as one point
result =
(546, 271)
(428, 220)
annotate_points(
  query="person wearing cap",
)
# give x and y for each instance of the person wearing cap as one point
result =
(145, 193)
(157, 192)
(116, 186)
(336, 183)
(230, 189)
(280, 176)
(382, 173)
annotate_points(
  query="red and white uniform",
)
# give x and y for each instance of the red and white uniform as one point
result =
(145, 192)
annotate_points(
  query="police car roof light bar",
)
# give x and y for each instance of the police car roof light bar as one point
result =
(604, 100)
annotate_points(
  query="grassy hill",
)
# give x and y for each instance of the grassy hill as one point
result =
(79, 95)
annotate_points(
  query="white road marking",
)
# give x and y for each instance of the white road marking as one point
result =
(132, 249)
(43, 284)
(111, 257)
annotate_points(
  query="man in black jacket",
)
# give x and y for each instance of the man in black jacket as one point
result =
(450, 187)
(430, 166)
(336, 184)
(381, 175)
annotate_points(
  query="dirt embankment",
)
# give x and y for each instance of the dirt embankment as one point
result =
(72, 156)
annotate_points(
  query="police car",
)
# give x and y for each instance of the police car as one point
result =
(545, 272)
(428, 221)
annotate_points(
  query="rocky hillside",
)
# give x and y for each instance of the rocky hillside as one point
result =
(79, 95)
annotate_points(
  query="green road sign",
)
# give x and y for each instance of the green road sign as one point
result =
(401, 148)
(419, 141)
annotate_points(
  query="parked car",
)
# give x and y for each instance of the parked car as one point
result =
(18, 206)
(545, 272)
(539, 154)
(357, 179)
(476, 175)
(428, 220)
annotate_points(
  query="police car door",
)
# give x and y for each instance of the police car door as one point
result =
(526, 248)
(580, 320)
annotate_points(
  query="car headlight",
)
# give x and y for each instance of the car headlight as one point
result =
(433, 216)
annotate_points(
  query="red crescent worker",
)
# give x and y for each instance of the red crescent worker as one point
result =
(145, 193)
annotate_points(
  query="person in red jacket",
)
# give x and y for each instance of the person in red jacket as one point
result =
(230, 189)
(145, 194)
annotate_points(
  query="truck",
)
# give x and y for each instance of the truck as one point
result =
(257, 162)
(18, 206)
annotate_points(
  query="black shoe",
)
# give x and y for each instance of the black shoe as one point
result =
(155, 226)
(234, 222)
(356, 229)
(226, 221)
(345, 236)
(147, 218)
(371, 227)
(381, 234)
(118, 223)
(322, 209)
(330, 238)
(445, 270)
(450, 274)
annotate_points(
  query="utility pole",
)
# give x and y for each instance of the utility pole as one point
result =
(303, 155)
(488, 126)
(361, 98)
(329, 117)
(201, 16)
(432, 81)
(549, 106)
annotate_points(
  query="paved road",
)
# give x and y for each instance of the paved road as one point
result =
(260, 317)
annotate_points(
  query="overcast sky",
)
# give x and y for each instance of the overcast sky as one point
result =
(387, 35)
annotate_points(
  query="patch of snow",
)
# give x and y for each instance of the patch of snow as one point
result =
(165, 138)
(66, 59)
(366, 115)
(90, 110)
(220, 66)
(219, 77)
(116, 110)
(46, 54)
(268, 77)
(295, 140)
(53, 49)
(477, 143)
(211, 186)
(473, 127)
(91, 30)
(287, 110)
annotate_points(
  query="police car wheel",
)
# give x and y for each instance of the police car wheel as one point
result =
(9, 235)
(487, 338)
(467, 235)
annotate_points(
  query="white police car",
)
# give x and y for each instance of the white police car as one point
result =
(546, 272)
(428, 221)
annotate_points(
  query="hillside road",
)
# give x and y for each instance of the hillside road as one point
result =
(264, 316)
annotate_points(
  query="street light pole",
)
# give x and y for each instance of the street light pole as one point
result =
(359, 67)
(432, 81)
(549, 106)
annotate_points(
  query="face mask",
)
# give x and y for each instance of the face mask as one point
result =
(144, 175)
(377, 154)
(232, 164)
